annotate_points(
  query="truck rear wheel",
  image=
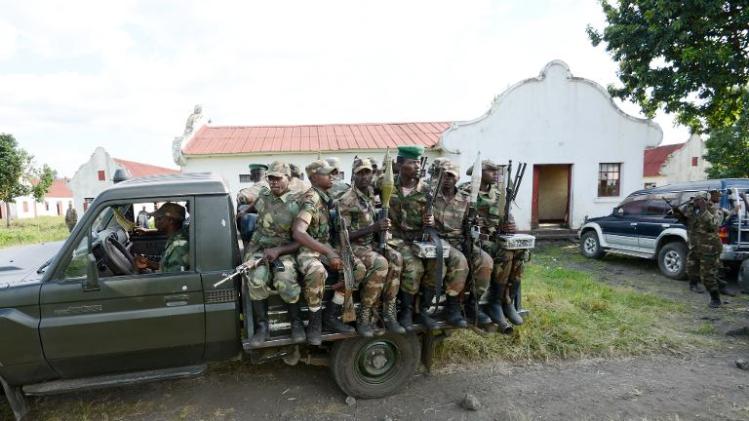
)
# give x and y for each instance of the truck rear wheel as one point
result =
(369, 368)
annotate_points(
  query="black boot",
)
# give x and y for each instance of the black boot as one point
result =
(297, 326)
(454, 315)
(364, 322)
(509, 307)
(406, 316)
(470, 306)
(331, 320)
(694, 286)
(314, 327)
(391, 318)
(714, 299)
(427, 295)
(260, 314)
(493, 308)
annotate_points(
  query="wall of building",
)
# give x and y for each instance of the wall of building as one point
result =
(26, 207)
(679, 166)
(86, 184)
(555, 119)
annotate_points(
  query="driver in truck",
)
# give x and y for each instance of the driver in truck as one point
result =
(176, 258)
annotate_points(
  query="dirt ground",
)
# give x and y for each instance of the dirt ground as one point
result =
(700, 384)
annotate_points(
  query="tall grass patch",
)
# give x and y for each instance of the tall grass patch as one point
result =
(573, 315)
(33, 231)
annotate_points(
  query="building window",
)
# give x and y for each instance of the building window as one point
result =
(46, 205)
(609, 175)
(101, 175)
(649, 185)
(87, 201)
(245, 178)
(25, 206)
(695, 161)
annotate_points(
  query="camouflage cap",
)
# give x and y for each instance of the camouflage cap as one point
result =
(362, 164)
(410, 151)
(486, 164)
(334, 162)
(701, 195)
(279, 169)
(318, 167)
(171, 210)
(295, 171)
(256, 167)
(450, 167)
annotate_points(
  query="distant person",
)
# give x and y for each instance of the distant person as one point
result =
(71, 217)
(142, 219)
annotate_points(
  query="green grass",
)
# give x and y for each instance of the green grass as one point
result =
(33, 231)
(572, 315)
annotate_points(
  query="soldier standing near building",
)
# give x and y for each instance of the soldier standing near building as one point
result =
(272, 242)
(383, 268)
(311, 229)
(703, 220)
(491, 209)
(71, 217)
(451, 219)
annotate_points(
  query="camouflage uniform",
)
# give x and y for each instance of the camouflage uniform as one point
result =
(406, 211)
(71, 218)
(176, 257)
(275, 218)
(703, 258)
(358, 211)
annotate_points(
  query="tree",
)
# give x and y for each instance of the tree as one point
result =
(18, 176)
(728, 148)
(690, 57)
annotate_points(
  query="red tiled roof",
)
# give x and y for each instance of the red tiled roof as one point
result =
(59, 188)
(311, 138)
(137, 169)
(656, 157)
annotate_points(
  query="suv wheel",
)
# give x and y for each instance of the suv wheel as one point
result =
(590, 246)
(672, 260)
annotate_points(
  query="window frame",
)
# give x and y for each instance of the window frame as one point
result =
(601, 172)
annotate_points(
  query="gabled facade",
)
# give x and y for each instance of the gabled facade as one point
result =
(675, 163)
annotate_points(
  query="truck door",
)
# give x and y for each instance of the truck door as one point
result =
(653, 221)
(126, 322)
(620, 230)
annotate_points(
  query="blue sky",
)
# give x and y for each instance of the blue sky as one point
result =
(125, 75)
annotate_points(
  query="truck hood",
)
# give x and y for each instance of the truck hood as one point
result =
(19, 265)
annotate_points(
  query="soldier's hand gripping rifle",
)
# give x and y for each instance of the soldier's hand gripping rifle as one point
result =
(473, 232)
(347, 272)
(386, 191)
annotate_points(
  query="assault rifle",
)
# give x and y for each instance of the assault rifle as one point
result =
(473, 232)
(386, 192)
(430, 233)
(511, 189)
(243, 268)
(347, 272)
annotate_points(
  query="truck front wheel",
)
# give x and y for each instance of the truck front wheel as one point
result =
(369, 368)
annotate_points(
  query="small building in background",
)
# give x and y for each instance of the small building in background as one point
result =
(55, 203)
(96, 174)
(675, 163)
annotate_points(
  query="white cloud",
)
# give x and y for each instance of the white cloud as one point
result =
(8, 40)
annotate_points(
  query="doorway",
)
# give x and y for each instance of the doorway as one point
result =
(551, 196)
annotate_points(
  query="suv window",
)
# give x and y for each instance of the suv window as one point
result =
(634, 207)
(656, 208)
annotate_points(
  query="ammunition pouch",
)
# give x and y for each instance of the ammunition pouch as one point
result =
(428, 250)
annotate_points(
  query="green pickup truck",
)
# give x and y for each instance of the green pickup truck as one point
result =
(86, 319)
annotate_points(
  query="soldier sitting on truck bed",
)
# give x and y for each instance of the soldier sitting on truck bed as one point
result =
(311, 229)
(383, 267)
(176, 257)
(272, 243)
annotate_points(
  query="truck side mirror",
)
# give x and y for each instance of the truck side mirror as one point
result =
(618, 211)
(91, 283)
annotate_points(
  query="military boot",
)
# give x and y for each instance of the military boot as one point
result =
(364, 322)
(725, 291)
(406, 317)
(314, 327)
(454, 315)
(260, 314)
(391, 319)
(694, 286)
(427, 295)
(479, 318)
(714, 299)
(493, 308)
(508, 307)
(297, 326)
(331, 320)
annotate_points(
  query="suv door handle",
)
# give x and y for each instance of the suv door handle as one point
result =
(633, 224)
(176, 300)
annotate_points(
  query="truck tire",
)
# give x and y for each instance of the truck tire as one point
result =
(369, 368)
(590, 245)
(672, 260)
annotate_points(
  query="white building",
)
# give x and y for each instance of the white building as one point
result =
(55, 203)
(584, 154)
(96, 174)
(675, 163)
